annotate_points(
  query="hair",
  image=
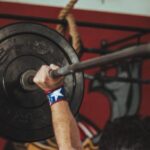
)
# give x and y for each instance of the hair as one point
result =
(126, 133)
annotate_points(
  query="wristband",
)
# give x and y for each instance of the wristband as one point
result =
(56, 95)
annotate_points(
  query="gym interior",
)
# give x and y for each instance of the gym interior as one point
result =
(106, 91)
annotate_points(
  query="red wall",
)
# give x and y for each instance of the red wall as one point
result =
(95, 105)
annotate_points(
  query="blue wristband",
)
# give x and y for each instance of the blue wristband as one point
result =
(56, 95)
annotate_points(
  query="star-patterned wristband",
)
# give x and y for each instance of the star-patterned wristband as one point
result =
(56, 95)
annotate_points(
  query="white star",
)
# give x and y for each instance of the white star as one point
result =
(56, 94)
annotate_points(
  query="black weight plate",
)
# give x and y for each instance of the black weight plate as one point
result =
(25, 115)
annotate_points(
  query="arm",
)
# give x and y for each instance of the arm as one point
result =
(65, 127)
(64, 124)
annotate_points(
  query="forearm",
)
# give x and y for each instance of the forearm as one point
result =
(65, 127)
(64, 124)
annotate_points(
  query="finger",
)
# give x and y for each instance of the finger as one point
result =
(53, 67)
(41, 75)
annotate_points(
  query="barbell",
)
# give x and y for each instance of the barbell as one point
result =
(24, 47)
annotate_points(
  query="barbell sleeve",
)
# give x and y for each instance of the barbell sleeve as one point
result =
(142, 50)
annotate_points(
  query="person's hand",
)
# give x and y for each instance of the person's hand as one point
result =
(44, 81)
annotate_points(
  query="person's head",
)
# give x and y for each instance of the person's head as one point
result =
(126, 133)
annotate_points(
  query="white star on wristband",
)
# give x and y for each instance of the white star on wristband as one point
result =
(56, 94)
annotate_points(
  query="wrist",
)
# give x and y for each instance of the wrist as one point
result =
(55, 95)
(52, 89)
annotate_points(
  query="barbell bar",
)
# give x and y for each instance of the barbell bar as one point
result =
(128, 53)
